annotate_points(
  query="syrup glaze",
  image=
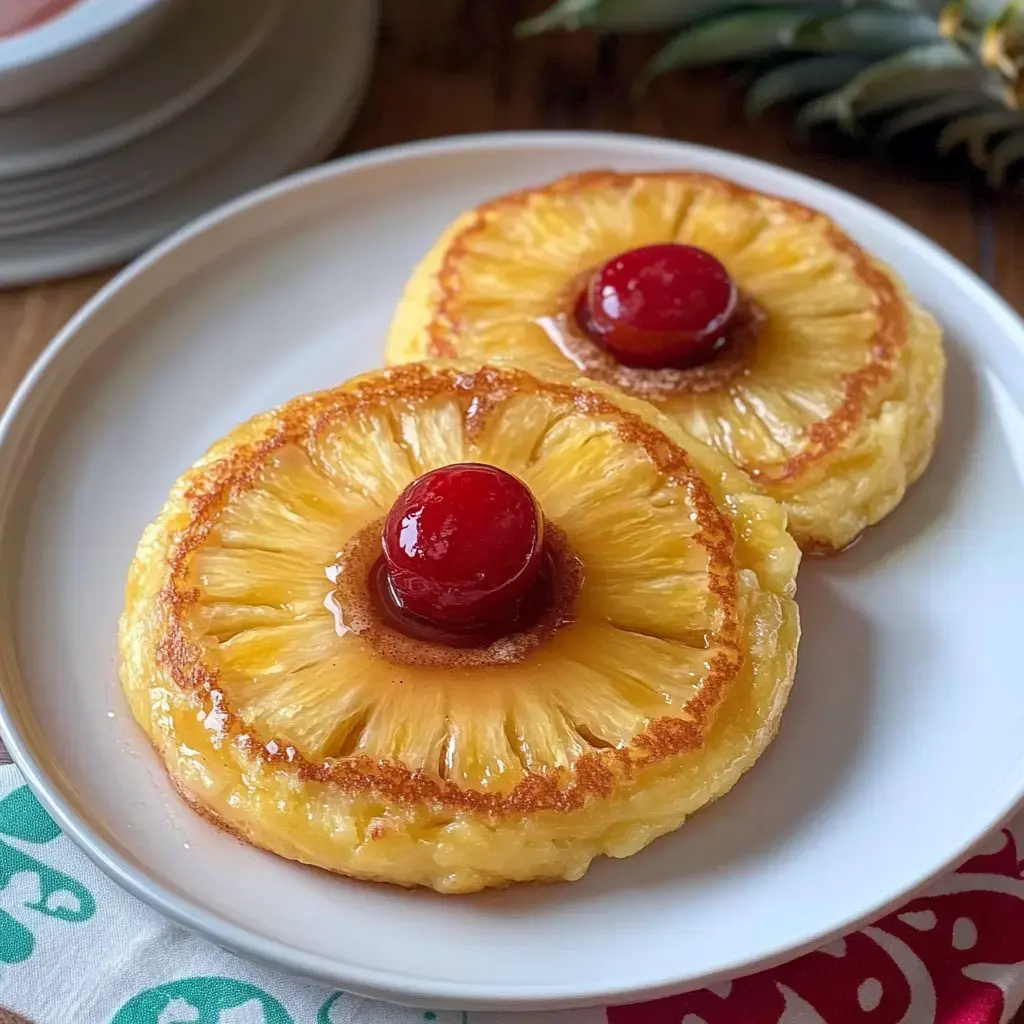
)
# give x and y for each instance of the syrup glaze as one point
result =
(519, 614)
(665, 305)
(363, 602)
(729, 355)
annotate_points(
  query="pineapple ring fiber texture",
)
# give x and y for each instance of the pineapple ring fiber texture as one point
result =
(837, 403)
(300, 738)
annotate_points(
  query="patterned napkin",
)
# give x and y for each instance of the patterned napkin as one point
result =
(75, 949)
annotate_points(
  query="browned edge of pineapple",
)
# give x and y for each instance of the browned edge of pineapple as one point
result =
(405, 814)
(876, 411)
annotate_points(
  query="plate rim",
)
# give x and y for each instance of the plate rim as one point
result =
(33, 162)
(113, 238)
(69, 30)
(392, 984)
(120, 177)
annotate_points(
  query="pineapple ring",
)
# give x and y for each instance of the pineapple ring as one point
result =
(305, 741)
(837, 407)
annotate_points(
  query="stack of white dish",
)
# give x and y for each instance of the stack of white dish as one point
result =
(210, 100)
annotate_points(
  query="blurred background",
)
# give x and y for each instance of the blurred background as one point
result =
(181, 104)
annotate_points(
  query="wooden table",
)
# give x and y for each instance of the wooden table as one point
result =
(452, 66)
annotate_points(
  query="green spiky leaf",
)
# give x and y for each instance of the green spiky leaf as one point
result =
(567, 14)
(981, 12)
(915, 74)
(881, 67)
(800, 78)
(869, 31)
(907, 89)
(733, 37)
(930, 112)
(1006, 154)
(977, 131)
(649, 15)
(832, 107)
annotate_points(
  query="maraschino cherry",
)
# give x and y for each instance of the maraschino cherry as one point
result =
(462, 545)
(659, 306)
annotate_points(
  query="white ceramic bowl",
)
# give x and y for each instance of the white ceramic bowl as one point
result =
(69, 48)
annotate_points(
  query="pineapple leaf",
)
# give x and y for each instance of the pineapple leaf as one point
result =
(928, 113)
(800, 78)
(567, 14)
(868, 30)
(911, 64)
(833, 106)
(918, 73)
(1006, 154)
(733, 37)
(653, 15)
(976, 130)
(981, 12)
(929, 57)
(649, 15)
(921, 86)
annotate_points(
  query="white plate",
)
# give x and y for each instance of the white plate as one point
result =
(62, 51)
(200, 48)
(902, 742)
(151, 163)
(304, 127)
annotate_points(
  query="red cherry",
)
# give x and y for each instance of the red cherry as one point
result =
(462, 544)
(659, 305)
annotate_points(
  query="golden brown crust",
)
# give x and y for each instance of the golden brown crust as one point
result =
(300, 422)
(858, 387)
(208, 814)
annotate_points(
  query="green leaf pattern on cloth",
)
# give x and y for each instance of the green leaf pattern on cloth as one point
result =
(22, 817)
(324, 1014)
(60, 896)
(180, 1001)
(107, 959)
(203, 1000)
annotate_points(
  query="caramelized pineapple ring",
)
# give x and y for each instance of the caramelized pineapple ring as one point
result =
(835, 408)
(304, 739)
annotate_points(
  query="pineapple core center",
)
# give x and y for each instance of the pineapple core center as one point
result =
(364, 602)
(463, 554)
(662, 305)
